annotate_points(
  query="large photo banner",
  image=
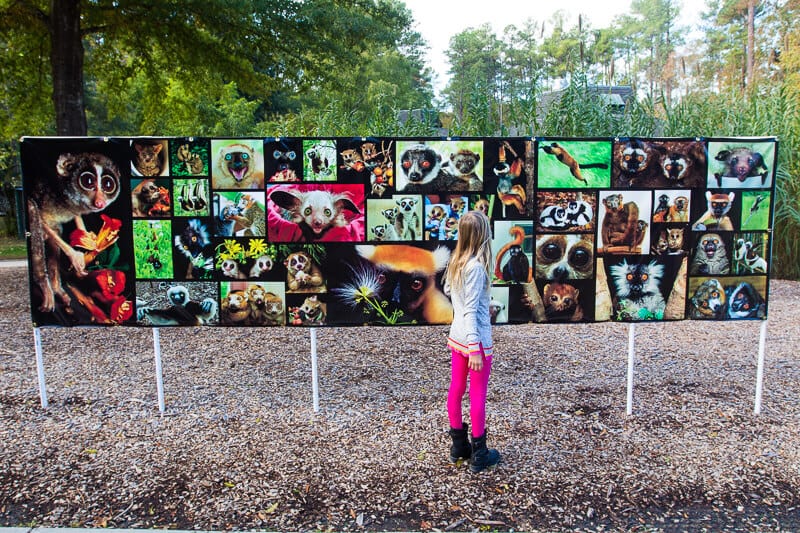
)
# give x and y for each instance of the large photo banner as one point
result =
(358, 231)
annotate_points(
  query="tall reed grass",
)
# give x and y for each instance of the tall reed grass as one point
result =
(580, 112)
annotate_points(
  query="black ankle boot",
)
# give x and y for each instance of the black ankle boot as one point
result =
(482, 458)
(460, 448)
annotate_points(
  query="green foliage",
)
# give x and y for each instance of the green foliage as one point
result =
(785, 244)
(109, 258)
(335, 120)
(24, 74)
(179, 168)
(173, 67)
(758, 219)
(554, 174)
(13, 248)
(152, 249)
(343, 68)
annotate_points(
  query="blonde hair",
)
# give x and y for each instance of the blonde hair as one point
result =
(474, 241)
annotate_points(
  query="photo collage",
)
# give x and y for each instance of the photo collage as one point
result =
(185, 231)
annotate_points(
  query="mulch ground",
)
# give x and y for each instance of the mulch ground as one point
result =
(241, 447)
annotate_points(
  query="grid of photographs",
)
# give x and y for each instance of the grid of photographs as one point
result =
(353, 231)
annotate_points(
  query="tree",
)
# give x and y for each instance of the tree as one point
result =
(751, 42)
(260, 45)
(787, 50)
(730, 27)
(650, 35)
(475, 66)
(393, 75)
(561, 49)
(604, 54)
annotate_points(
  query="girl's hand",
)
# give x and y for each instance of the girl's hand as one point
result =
(475, 362)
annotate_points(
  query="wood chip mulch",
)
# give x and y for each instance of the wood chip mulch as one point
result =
(241, 447)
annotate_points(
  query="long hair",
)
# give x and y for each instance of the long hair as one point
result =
(474, 241)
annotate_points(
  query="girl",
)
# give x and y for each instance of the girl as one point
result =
(470, 340)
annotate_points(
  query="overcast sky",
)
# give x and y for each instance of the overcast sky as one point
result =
(439, 20)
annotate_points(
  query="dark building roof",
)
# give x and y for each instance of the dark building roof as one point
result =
(616, 96)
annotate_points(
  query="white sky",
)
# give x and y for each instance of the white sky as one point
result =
(439, 20)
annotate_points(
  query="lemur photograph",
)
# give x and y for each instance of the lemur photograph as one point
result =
(151, 198)
(711, 254)
(715, 210)
(315, 213)
(368, 160)
(564, 256)
(567, 300)
(727, 298)
(671, 206)
(624, 222)
(153, 247)
(319, 160)
(741, 165)
(189, 156)
(513, 248)
(240, 214)
(658, 163)
(252, 303)
(241, 258)
(79, 219)
(439, 166)
(644, 288)
(749, 253)
(237, 164)
(389, 284)
(193, 255)
(566, 211)
(149, 157)
(191, 197)
(442, 213)
(509, 178)
(186, 303)
(573, 164)
(756, 210)
(283, 161)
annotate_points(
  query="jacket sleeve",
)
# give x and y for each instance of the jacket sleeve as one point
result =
(473, 288)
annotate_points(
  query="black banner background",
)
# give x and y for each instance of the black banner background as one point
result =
(353, 231)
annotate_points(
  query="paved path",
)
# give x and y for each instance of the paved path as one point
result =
(13, 263)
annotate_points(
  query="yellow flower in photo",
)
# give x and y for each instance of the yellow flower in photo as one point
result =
(232, 247)
(258, 247)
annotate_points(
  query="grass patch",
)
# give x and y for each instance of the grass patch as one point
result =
(13, 248)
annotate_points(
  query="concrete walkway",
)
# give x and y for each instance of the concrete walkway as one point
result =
(14, 263)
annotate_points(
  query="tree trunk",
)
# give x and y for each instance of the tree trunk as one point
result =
(66, 59)
(751, 42)
(611, 71)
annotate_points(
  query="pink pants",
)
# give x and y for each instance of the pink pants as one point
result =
(479, 382)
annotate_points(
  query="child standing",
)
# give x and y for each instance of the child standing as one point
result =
(467, 279)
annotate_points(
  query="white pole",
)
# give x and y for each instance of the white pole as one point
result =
(159, 376)
(37, 342)
(762, 340)
(314, 377)
(631, 336)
